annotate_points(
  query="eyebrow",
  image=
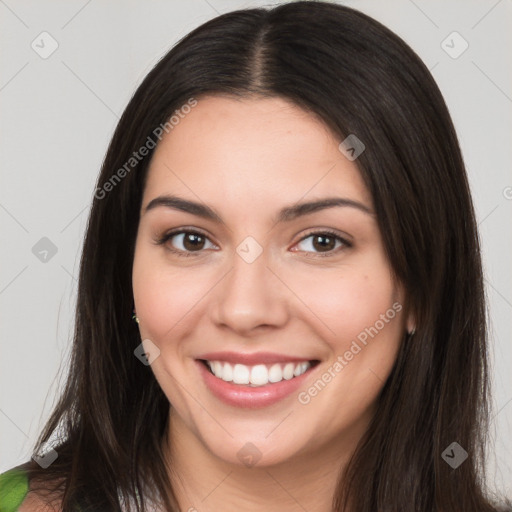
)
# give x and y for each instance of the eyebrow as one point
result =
(286, 214)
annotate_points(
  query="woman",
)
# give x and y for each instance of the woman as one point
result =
(284, 210)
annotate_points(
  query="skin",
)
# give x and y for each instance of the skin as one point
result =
(247, 159)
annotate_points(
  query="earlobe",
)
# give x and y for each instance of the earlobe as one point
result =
(411, 325)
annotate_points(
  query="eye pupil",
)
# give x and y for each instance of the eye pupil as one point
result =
(327, 242)
(193, 238)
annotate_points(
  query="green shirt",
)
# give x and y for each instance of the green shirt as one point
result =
(13, 489)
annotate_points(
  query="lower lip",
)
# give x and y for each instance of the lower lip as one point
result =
(249, 397)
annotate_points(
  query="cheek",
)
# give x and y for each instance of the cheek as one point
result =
(350, 300)
(164, 294)
(362, 309)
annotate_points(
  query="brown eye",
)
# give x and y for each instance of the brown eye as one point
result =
(185, 242)
(193, 241)
(323, 242)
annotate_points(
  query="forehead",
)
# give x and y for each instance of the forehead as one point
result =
(266, 148)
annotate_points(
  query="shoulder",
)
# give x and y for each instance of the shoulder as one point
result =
(13, 489)
(16, 496)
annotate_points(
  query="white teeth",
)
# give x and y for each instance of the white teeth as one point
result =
(288, 371)
(275, 374)
(300, 369)
(227, 372)
(240, 374)
(258, 375)
(217, 367)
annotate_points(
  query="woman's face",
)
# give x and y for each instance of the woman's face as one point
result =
(260, 285)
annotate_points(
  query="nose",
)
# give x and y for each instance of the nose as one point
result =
(251, 297)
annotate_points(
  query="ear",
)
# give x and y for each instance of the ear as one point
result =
(411, 323)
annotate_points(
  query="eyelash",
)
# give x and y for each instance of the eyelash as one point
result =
(167, 236)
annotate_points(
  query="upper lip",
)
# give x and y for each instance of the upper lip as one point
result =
(252, 359)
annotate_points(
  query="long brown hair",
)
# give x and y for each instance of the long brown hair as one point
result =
(359, 78)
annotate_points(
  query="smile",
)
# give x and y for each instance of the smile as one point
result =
(258, 375)
(253, 381)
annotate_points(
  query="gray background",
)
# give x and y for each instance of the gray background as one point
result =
(59, 112)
